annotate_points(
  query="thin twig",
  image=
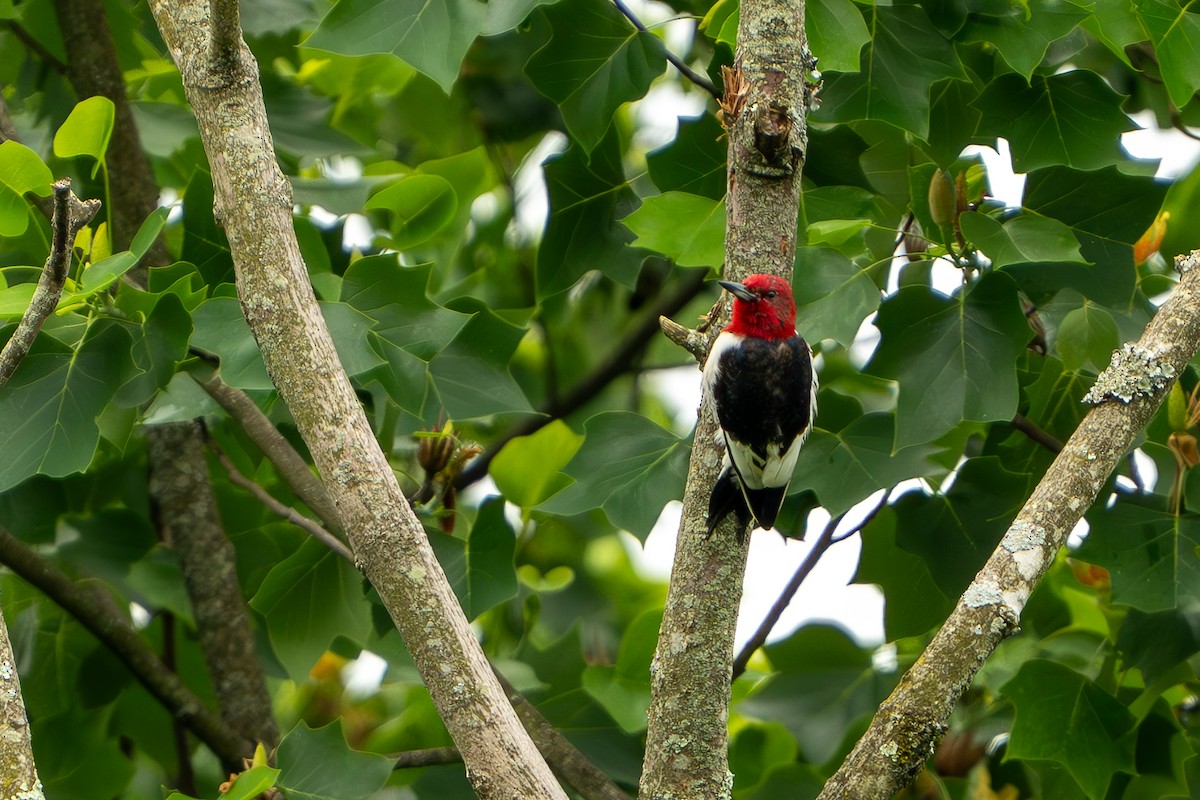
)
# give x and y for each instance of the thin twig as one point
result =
(70, 214)
(96, 612)
(700, 80)
(427, 757)
(1030, 429)
(823, 543)
(293, 516)
(44, 55)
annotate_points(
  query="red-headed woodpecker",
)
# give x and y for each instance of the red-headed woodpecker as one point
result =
(760, 377)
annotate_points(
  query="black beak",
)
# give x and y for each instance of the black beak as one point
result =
(739, 291)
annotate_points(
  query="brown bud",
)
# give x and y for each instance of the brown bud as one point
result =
(1183, 445)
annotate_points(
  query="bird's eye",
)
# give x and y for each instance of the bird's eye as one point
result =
(771, 295)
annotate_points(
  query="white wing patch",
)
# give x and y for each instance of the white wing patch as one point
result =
(712, 366)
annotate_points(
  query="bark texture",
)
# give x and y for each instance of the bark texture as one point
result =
(18, 774)
(188, 519)
(910, 722)
(253, 201)
(765, 108)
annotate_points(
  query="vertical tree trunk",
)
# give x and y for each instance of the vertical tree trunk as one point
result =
(765, 110)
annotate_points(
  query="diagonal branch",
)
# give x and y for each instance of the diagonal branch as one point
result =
(907, 726)
(70, 214)
(96, 612)
(700, 80)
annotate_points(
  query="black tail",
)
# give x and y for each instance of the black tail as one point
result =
(726, 499)
(765, 504)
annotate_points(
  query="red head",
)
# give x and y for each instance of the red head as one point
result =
(762, 307)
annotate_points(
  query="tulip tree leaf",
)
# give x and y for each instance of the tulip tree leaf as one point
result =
(1153, 557)
(954, 357)
(694, 162)
(589, 77)
(904, 59)
(432, 35)
(409, 329)
(587, 197)
(1086, 337)
(1175, 33)
(687, 228)
(87, 130)
(846, 467)
(833, 295)
(252, 783)
(527, 468)
(837, 32)
(419, 206)
(951, 535)
(623, 688)
(159, 345)
(309, 599)
(1023, 33)
(22, 170)
(1071, 118)
(221, 329)
(471, 373)
(491, 573)
(628, 466)
(48, 409)
(317, 764)
(1063, 717)
(1026, 238)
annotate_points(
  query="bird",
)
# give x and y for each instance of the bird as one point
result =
(759, 377)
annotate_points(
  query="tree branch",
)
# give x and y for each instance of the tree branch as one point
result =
(1036, 434)
(18, 773)
(823, 543)
(388, 541)
(613, 367)
(907, 726)
(187, 518)
(700, 80)
(427, 757)
(765, 107)
(313, 528)
(70, 214)
(96, 612)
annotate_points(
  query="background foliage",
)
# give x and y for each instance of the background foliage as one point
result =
(454, 295)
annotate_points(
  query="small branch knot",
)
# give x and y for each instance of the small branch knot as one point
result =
(1134, 371)
(1186, 263)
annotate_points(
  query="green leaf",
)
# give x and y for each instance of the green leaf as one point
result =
(1023, 32)
(905, 58)
(410, 329)
(833, 295)
(1087, 337)
(351, 332)
(1155, 643)
(623, 689)
(1071, 118)
(252, 783)
(1065, 718)
(308, 599)
(694, 161)
(491, 573)
(1153, 557)
(846, 467)
(954, 357)
(419, 206)
(589, 77)
(86, 131)
(1107, 211)
(76, 756)
(48, 409)
(159, 344)
(587, 197)
(950, 536)
(504, 15)
(103, 273)
(471, 373)
(22, 170)
(15, 300)
(319, 765)
(815, 663)
(1175, 32)
(687, 228)
(431, 35)
(221, 329)
(628, 466)
(14, 213)
(1026, 238)
(526, 470)
(836, 33)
